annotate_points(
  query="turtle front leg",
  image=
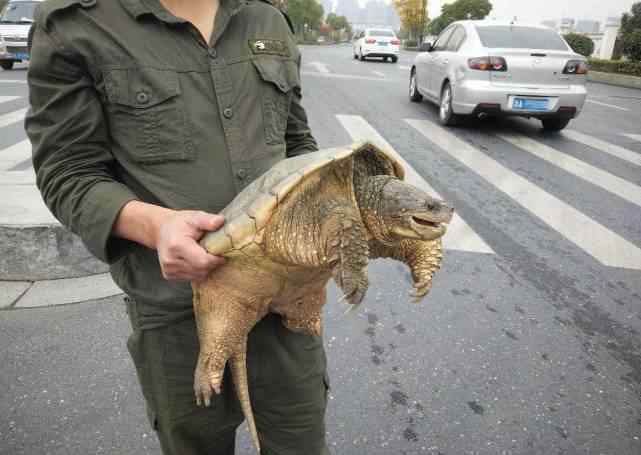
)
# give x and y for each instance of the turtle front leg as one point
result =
(423, 258)
(349, 250)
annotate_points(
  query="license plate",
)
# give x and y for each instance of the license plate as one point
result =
(528, 104)
(22, 56)
(382, 44)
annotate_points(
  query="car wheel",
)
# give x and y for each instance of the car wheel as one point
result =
(446, 115)
(362, 57)
(415, 95)
(355, 56)
(6, 65)
(555, 123)
(394, 59)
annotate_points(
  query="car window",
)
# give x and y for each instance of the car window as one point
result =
(520, 37)
(457, 38)
(441, 42)
(18, 12)
(380, 33)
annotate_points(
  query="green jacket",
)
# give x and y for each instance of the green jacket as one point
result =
(129, 102)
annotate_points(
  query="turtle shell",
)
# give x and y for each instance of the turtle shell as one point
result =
(249, 212)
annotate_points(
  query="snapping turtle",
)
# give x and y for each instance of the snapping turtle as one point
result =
(306, 220)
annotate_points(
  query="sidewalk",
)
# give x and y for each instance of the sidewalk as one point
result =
(42, 264)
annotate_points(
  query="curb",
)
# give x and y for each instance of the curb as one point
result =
(619, 80)
(44, 252)
(49, 293)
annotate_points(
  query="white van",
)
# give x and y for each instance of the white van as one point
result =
(15, 21)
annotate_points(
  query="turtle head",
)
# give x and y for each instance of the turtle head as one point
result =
(402, 211)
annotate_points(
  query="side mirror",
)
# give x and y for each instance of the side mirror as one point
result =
(426, 46)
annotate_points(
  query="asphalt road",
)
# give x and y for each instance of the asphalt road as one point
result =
(528, 343)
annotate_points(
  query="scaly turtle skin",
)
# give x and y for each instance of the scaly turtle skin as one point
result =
(310, 218)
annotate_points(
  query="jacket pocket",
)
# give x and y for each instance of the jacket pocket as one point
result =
(280, 78)
(147, 115)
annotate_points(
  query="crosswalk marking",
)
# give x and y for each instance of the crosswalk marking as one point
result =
(378, 73)
(615, 185)
(406, 68)
(636, 137)
(6, 99)
(15, 154)
(612, 106)
(459, 235)
(604, 245)
(12, 81)
(606, 147)
(12, 117)
(320, 67)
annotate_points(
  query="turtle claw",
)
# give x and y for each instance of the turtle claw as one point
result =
(421, 289)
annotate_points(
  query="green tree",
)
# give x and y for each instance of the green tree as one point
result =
(632, 45)
(580, 44)
(630, 33)
(3, 3)
(457, 11)
(303, 12)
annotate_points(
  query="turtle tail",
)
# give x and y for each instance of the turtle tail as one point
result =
(238, 365)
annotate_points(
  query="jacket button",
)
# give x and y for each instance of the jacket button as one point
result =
(142, 97)
(212, 52)
(241, 174)
(228, 112)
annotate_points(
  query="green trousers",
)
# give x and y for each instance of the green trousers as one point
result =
(287, 383)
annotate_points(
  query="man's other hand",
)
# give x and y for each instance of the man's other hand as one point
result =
(174, 234)
(181, 257)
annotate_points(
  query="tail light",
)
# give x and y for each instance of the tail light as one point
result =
(370, 40)
(576, 67)
(487, 64)
(395, 42)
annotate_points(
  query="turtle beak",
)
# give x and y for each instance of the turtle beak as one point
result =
(431, 223)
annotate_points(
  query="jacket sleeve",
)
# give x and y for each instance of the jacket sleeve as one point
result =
(70, 142)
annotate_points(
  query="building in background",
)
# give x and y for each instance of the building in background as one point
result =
(603, 38)
(587, 26)
(551, 24)
(376, 13)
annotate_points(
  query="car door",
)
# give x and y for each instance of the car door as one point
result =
(441, 59)
(431, 60)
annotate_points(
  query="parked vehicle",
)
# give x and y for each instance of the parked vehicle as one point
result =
(489, 68)
(376, 42)
(16, 19)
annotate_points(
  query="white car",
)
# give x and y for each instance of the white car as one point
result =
(16, 19)
(376, 42)
(483, 68)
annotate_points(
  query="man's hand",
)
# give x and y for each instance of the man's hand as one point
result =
(181, 257)
(174, 234)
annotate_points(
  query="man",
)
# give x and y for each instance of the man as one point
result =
(147, 117)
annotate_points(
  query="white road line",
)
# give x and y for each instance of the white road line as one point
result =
(347, 76)
(405, 68)
(15, 154)
(5, 99)
(320, 67)
(12, 117)
(12, 81)
(378, 73)
(608, 105)
(636, 137)
(606, 147)
(604, 245)
(459, 234)
(611, 183)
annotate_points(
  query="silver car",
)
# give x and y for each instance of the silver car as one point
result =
(490, 68)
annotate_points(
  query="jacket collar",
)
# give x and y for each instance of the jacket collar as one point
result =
(138, 8)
